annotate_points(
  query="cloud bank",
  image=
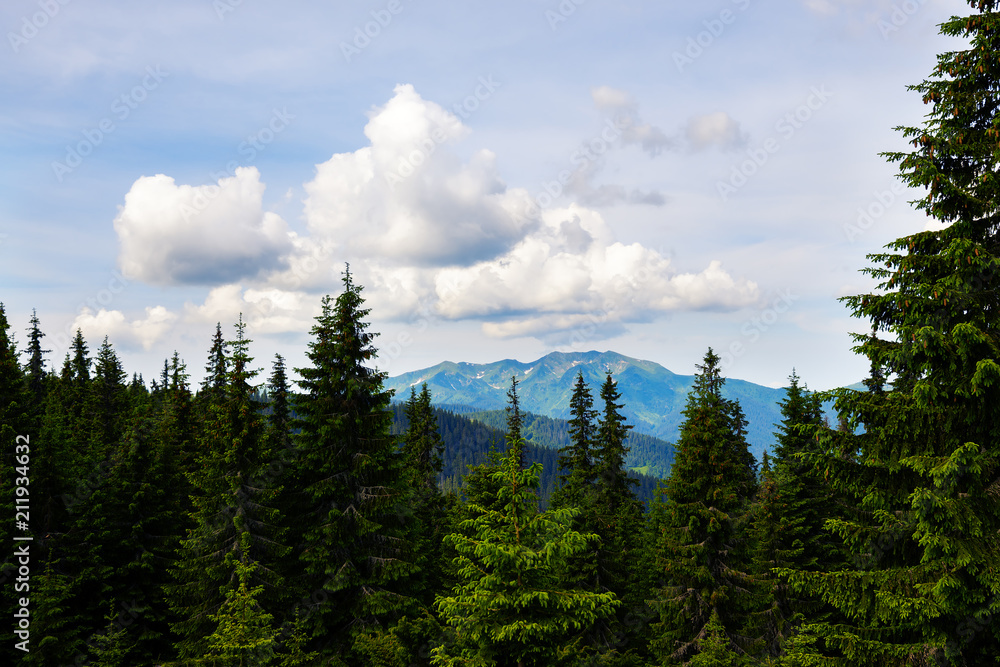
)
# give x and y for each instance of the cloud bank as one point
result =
(424, 230)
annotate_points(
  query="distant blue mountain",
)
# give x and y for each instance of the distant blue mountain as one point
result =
(653, 396)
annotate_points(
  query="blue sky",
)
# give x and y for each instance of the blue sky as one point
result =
(506, 179)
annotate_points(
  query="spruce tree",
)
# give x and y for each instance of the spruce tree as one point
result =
(108, 403)
(577, 459)
(233, 514)
(702, 553)
(423, 507)
(515, 421)
(924, 473)
(789, 519)
(618, 515)
(350, 473)
(511, 605)
(35, 374)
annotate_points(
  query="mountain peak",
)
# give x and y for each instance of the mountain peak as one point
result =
(653, 395)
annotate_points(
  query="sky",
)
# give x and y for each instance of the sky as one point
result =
(504, 179)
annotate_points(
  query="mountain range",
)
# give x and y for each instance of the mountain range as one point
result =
(653, 395)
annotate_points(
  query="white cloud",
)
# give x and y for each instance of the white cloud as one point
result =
(423, 231)
(572, 268)
(113, 324)
(407, 198)
(206, 234)
(715, 129)
(625, 110)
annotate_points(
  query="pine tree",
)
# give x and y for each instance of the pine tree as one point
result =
(515, 421)
(350, 475)
(245, 632)
(232, 513)
(924, 473)
(576, 460)
(510, 603)
(36, 376)
(789, 518)
(702, 551)
(108, 404)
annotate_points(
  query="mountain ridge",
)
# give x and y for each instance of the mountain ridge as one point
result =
(654, 396)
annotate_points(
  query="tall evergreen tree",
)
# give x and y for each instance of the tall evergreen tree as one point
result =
(794, 504)
(515, 421)
(925, 473)
(702, 552)
(233, 515)
(510, 605)
(350, 475)
(423, 506)
(577, 459)
(108, 403)
(35, 372)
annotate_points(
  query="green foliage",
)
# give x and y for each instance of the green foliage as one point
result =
(702, 552)
(349, 532)
(924, 474)
(510, 600)
(233, 513)
(245, 632)
(793, 505)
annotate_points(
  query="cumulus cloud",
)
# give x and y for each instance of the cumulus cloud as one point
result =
(715, 129)
(424, 231)
(144, 332)
(208, 234)
(406, 197)
(572, 268)
(265, 310)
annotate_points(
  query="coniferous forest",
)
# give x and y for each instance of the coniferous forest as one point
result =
(254, 519)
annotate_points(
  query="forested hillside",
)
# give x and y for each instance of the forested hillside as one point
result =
(654, 396)
(469, 439)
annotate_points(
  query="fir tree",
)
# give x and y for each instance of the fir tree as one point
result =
(350, 474)
(576, 460)
(789, 518)
(245, 632)
(108, 403)
(233, 515)
(510, 605)
(702, 551)
(515, 421)
(924, 473)
(36, 376)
